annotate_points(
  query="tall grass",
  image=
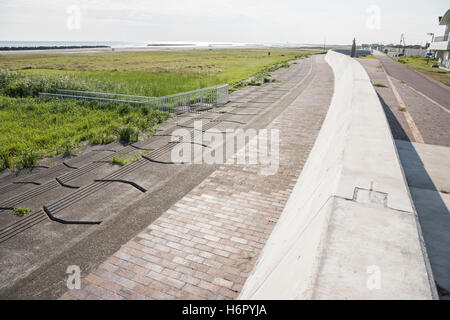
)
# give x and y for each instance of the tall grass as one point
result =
(18, 84)
(31, 128)
(425, 65)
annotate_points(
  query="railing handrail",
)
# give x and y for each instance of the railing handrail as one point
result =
(60, 95)
(191, 92)
(102, 93)
(185, 101)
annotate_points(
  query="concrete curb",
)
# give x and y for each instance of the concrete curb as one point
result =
(349, 228)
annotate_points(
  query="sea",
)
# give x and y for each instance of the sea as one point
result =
(122, 44)
(113, 44)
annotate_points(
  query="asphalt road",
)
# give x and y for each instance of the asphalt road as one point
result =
(426, 118)
(437, 92)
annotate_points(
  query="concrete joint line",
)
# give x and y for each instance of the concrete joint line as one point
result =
(214, 132)
(53, 218)
(161, 162)
(16, 224)
(372, 205)
(99, 150)
(232, 121)
(27, 182)
(41, 167)
(66, 185)
(412, 125)
(141, 148)
(292, 246)
(19, 226)
(370, 196)
(69, 166)
(191, 142)
(140, 188)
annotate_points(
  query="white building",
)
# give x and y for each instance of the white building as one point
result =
(441, 45)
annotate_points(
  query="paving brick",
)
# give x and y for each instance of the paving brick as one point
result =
(222, 282)
(206, 244)
(94, 279)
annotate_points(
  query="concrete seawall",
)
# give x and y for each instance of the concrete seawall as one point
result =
(349, 229)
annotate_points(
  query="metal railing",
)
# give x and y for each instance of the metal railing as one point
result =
(191, 101)
(103, 94)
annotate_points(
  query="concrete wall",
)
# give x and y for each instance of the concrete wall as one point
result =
(349, 230)
(394, 52)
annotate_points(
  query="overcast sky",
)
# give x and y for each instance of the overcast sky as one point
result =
(248, 21)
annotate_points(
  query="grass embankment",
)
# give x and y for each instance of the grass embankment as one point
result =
(31, 128)
(425, 66)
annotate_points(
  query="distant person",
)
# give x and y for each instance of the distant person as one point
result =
(268, 53)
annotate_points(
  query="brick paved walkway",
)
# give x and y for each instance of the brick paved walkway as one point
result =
(205, 246)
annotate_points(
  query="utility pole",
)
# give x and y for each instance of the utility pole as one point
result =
(353, 54)
(402, 41)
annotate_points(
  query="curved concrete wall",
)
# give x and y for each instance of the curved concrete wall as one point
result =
(349, 229)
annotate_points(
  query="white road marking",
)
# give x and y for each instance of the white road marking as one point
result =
(412, 125)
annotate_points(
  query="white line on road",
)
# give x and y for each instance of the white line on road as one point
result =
(412, 125)
(426, 97)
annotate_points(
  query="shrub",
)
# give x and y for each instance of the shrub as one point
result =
(124, 109)
(128, 133)
(6, 160)
(68, 151)
(18, 84)
(119, 161)
(28, 159)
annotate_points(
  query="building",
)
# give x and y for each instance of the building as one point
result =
(441, 45)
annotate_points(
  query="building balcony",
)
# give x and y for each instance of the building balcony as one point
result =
(440, 39)
(440, 43)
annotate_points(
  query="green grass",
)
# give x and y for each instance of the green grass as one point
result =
(369, 56)
(21, 211)
(156, 73)
(33, 128)
(425, 66)
(121, 161)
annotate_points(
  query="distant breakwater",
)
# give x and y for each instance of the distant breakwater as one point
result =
(49, 48)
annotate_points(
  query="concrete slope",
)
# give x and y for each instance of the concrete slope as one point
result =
(349, 230)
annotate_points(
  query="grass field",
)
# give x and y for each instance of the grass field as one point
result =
(425, 65)
(31, 128)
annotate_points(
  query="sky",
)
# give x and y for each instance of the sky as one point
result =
(241, 21)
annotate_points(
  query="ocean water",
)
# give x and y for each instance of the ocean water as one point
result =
(114, 44)
(123, 44)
